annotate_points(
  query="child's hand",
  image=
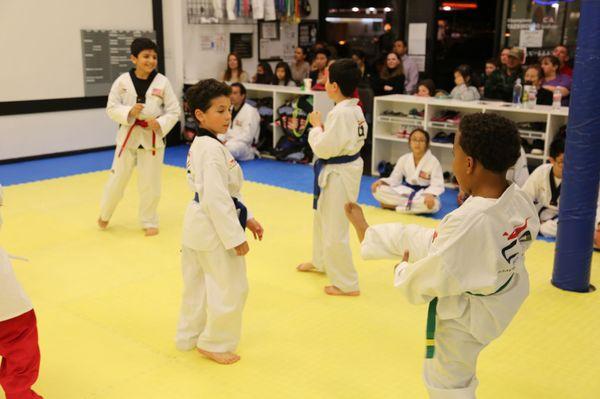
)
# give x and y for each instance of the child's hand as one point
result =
(315, 118)
(256, 229)
(136, 109)
(153, 125)
(377, 184)
(429, 201)
(242, 249)
(388, 88)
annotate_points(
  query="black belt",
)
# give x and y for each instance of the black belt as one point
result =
(239, 207)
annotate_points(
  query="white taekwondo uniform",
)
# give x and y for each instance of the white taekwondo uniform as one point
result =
(243, 133)
(138, 145)
(471, 271)
(214, 277)
(539, 188)
(339, 181)
(406, 186)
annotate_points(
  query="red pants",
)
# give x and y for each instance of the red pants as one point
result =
(20, 356)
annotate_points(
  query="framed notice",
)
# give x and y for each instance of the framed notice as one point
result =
(241, 44)
(307, 33)
(268, 30)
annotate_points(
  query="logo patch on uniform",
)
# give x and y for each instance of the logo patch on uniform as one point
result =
(238, 123)
(515, 233)
(232, 163)
(157, 92)
(424, 175)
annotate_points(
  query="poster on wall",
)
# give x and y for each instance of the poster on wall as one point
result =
(529, 38)
(241, 44)
(279, 45)
(307, 33)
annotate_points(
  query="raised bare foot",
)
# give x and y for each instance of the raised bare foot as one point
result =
(306, 267)
(220, 357)
(333, 290)
(151, 231)
(103, 224)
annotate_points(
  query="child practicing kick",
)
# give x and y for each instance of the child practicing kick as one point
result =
(142, 102)
(416, 182)
(18, 335)
(337, 179)
(471, 269)
(214, 242)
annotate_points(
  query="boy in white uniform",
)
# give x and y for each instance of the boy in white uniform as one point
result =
(416, 182)
(18, 334)
(244, 128)
(142, 102)
(214, 242)
(471, 269)
(543, 186)
(337, 179)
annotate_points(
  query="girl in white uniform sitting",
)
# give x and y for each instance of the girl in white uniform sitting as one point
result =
(214, 242)
(416, 182)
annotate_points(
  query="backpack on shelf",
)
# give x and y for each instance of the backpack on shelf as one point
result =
(293, 120)
(265, 110)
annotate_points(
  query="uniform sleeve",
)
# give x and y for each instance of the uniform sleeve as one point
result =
(521, 173)
(389, 241)
(248, 131)
(221, 209)
(396, 177)
(450, 268)
(532, 185)
(116, 110)
(329, 143)
(172, 111)
(436, 187)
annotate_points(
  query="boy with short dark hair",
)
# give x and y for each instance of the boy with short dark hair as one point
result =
(337, 179)
(144, 105)
(471, 269)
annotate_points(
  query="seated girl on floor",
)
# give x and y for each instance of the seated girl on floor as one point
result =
(416, 182)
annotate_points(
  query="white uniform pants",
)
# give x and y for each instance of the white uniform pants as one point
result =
(230, 4)
(215, 288)
(331, 247)
(450, 374)
(388, 195)
(149, 181)
(263, 9)
(240, 150)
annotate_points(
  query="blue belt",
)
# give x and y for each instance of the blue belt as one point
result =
(318, 168)
(415, 188)
(431, 315)
(239, 206)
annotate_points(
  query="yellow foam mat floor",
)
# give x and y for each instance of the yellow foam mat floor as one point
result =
(108, 301)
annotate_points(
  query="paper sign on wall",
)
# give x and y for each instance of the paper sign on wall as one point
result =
(417, 39)
(529, 38)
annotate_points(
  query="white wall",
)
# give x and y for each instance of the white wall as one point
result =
(41, 42)
(52, 132)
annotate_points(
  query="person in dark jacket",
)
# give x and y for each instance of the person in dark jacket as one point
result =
(391, 77)
(499, 85)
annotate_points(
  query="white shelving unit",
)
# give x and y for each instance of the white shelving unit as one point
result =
(392, 116)
(281, 94)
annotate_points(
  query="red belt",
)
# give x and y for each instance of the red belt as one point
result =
(142, 124)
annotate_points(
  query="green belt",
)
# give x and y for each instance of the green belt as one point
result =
(431, 320)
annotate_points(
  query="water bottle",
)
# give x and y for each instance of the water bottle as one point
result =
(556, 98)
(517, 92)
(531, 97)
